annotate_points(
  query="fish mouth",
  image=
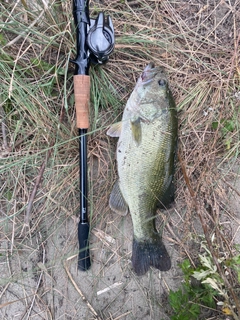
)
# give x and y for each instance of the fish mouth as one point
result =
(148, 73)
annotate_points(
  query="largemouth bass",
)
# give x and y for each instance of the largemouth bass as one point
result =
(145, 154)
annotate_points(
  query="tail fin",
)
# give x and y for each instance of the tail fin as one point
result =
(152, 253)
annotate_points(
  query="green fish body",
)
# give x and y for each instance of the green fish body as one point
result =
(145, 154)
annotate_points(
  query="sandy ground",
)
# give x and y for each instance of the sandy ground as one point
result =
(48, 285)
(43, 281)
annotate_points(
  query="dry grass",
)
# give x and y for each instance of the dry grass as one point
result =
(198, 44)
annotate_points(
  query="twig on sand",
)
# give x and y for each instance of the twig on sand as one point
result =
(29, 308)
(97, 317)
(27, 217)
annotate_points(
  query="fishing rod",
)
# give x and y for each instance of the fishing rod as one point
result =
(95, 42)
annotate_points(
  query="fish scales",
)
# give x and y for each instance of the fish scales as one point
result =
(145, 155)
(143, 184)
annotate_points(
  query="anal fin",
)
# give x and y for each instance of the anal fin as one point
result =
(168, 197)
(117, 202)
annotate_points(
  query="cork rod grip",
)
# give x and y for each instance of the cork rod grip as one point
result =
(82, 97)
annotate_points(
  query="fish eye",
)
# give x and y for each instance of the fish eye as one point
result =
(162, 82)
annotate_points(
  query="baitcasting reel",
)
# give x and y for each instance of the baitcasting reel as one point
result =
(100, 39)
(95, 37)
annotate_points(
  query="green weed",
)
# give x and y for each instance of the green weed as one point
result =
(225, 127)
(203, 287)
(187, 301)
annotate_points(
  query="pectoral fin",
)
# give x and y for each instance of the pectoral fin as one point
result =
(115, 130)
(117, 202)
(136, 131)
